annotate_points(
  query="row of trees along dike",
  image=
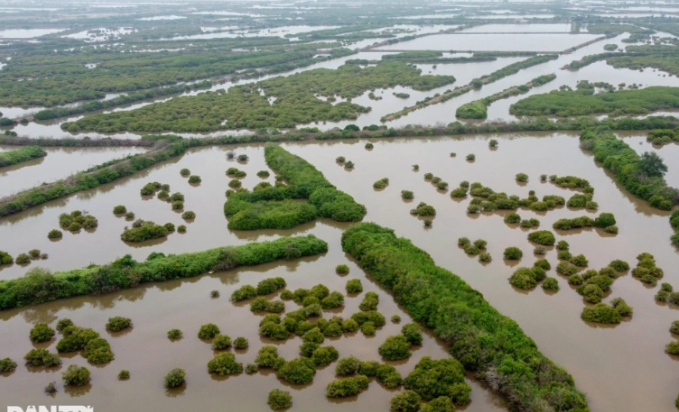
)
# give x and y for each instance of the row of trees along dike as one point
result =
(484, 341)
(39, 286)
(26, 153)
(478, 109)
(164, 147)
(275, 207)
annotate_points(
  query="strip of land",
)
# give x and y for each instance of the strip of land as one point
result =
(40, 286)
(484, 341)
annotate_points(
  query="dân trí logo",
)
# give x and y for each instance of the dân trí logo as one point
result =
(42, 408)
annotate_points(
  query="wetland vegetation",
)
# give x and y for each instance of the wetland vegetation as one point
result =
(289, 89)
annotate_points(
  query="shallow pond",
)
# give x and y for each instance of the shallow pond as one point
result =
(592, 354)
(519, 28)
(26, 33)
(154, 18)
(493, 42)
(59, 163)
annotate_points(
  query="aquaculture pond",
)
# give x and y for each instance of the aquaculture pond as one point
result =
(590, 352)
(494, 42)
(60, 163)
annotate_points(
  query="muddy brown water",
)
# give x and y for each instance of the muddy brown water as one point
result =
(622, 368)
(59, 163)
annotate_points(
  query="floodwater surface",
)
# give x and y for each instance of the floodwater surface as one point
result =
(591, 353)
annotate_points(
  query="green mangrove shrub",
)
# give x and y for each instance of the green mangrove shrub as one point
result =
(224, 364)
(208, 331)
(406, 401)
(542, 237)
(175, 378)
(395, 348)
(76, 376)
(432, 379)
(42, 357)
(279, 399)
(7, 365)
(118, 323)
(477, 333)
(513, 253)
(41, 332)
(340, 388)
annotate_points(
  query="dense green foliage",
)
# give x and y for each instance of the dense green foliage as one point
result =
(12, 157)
(175, 378)
(435, 378)
(224, 364)
(41, 333)
(39, 286)
(478, 109)
(42, 357)
(564, 103)
(56, 112)
(406, 401)
(7, 365)
(75, 338)
(626, 164)
(351, 386)
(299, 371)
(76, 376)
(600, 313)
(276, 208)
(244, 107)
(54, 79)
(142, 231)
(98, 351)
(118, 323)
(279, 399)
(483, 340)
(542, 237)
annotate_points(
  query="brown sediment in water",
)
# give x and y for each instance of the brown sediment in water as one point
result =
(600, 359)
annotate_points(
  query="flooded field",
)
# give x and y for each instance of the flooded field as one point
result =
(553, 320)
(622, 368)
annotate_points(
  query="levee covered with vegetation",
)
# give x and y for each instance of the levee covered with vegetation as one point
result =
(40, 286)
(482, 339)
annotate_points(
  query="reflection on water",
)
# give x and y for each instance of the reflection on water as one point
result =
(591, 353)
